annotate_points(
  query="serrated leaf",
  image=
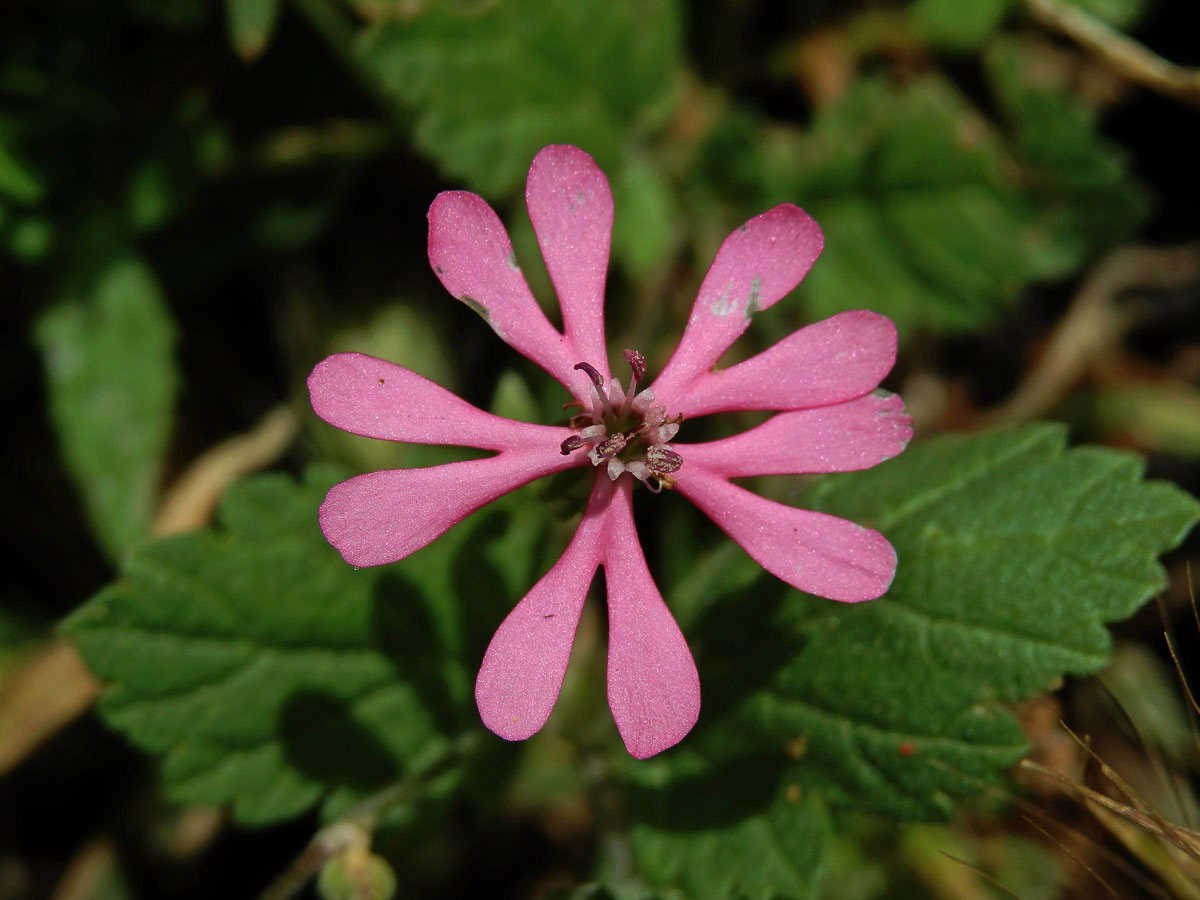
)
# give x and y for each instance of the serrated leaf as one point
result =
(932, 215)
(920, 215)
(735, 830)
(590, 73)
(268, 673)
(1081, 179)
(108, 351)
(1014, 553)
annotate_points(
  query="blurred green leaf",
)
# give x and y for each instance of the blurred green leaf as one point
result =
(250, 23)
(1080, 179)
(922, 220)
(734, 830)
(931, 216)
(256, 660)
(490, 88)
(644, 225)
(269, 673)
(31, 238)
(1013, 554)
(957, 25)
(606, 892)
(108, 351)
(17, 181)
(151, 196)
(183, 15)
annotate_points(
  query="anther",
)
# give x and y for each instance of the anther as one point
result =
(663, 460)
(591, 373)
(637, 362)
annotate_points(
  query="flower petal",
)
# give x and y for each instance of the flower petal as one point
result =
(522, 671)
(571, 207)
(379, 399)
(836, 359)
(653, 687)
(471, 253)
(843, 437)
(814, 552)
(384, 516)
(754, 268)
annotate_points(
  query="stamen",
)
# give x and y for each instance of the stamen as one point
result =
(592, 373)
(626, 431)
(607, 448)
(600, 402)
(637, 363)
(662, 460)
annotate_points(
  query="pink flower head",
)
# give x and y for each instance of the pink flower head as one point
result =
(821, 380)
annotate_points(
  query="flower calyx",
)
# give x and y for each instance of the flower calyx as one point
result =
(624, 430)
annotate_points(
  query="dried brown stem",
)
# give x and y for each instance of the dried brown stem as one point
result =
(1094, 323)
(1120, 53)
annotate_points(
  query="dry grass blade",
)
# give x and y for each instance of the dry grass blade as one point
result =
(1114, 859)
(1183, 682)
(1073, 857)
(1188, 841)
(986, 876)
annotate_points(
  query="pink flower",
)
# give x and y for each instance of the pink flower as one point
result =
(821, 379)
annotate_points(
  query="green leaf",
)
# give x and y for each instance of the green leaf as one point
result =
(931, 214)
(1081, 180)
(1013, 554)
(923, 221)
(738, 829)
(108, 350)
(17, 180)
(957, 25)
(268, 673)
(606, 892)
(591, 73)
(644, 225)
(250, 24)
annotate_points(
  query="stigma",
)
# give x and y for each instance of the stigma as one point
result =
(623, 430)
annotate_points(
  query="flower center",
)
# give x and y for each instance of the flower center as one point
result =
(625, 431)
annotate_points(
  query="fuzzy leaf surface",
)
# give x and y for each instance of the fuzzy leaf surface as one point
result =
(1014, 554)
(269, 673)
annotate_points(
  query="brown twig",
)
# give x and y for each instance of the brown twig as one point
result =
(1094, 323)
(190, 500)
(1122, 54)
(49, 691)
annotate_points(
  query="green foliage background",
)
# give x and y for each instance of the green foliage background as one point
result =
(199, 201)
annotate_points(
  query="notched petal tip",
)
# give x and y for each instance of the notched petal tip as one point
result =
(755, 267)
